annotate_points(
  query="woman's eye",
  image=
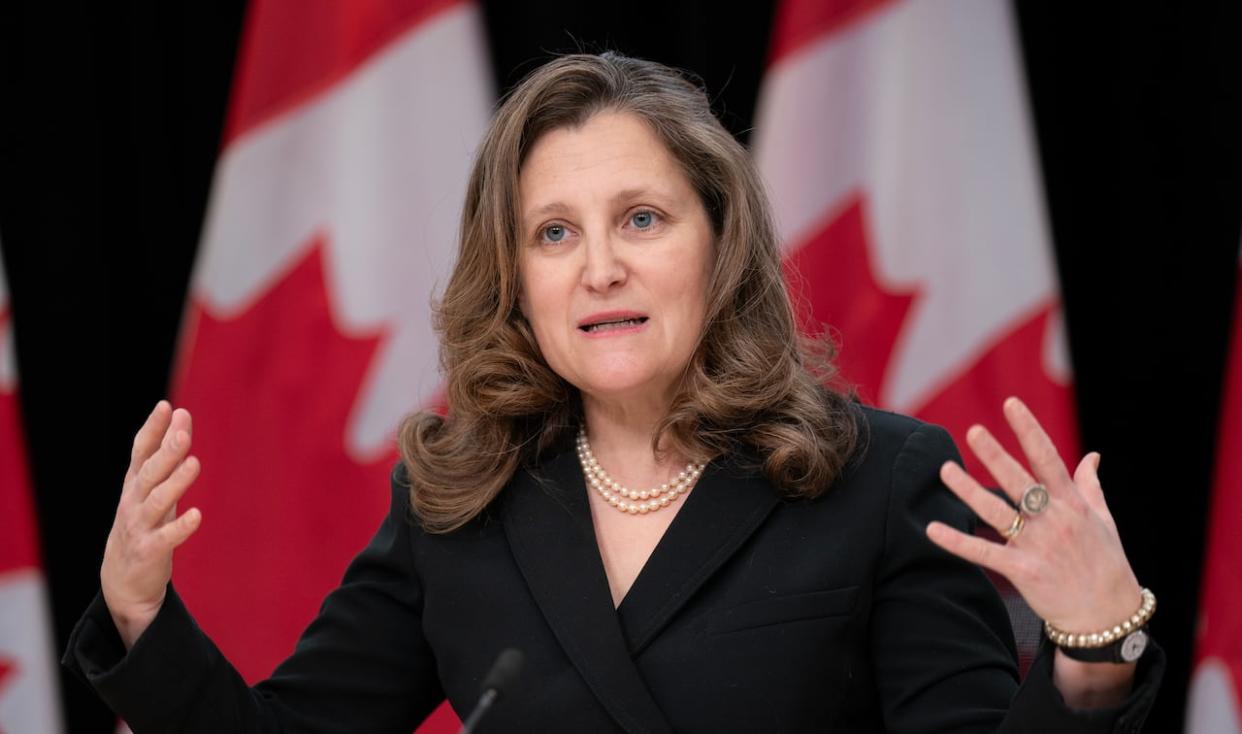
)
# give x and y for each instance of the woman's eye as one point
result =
(554, 233)
(643, 220)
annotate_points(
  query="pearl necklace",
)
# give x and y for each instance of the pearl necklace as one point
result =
(615, 494)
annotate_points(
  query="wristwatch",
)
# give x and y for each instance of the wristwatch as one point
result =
(1126, 649)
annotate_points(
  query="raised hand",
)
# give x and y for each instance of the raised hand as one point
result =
(137, 562)
(1066, 561)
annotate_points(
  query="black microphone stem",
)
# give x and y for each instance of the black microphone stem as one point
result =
(504, 671)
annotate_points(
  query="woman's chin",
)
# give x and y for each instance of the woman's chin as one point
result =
(623, 385)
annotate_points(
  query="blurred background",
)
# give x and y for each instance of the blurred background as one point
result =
(249, 209)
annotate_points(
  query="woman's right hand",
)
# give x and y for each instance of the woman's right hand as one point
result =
(137, 562)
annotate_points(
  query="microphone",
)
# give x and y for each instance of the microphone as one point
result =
(506, 668)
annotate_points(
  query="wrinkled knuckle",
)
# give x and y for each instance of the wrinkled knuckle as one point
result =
(130, 525)
(146, 474)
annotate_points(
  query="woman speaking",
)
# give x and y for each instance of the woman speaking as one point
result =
(648, 484)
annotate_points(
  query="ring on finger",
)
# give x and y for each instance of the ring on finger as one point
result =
(1014, 528)
(1034, 499)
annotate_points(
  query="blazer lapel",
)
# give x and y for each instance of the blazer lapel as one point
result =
(548, 525)
(721, 512)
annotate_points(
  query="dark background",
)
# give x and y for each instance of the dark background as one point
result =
(111, 118)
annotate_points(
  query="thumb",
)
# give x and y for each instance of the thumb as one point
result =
(1087, 477)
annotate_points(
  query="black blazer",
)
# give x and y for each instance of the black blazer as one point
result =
(753, 614)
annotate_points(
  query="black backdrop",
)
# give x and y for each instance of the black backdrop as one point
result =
(111, 118)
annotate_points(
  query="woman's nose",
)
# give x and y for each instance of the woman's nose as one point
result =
(603, 268)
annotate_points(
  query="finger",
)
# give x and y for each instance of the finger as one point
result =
(175, 533)
(148, 438)
(1040, 451)
(1013, 477)
(992, 556)
(991, 509)
(159, 465)
(163, 498)
(1087, 477)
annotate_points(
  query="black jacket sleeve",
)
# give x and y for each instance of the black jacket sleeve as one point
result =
(956, 669)
(362, 665)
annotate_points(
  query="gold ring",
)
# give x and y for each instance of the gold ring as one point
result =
(1014, 528)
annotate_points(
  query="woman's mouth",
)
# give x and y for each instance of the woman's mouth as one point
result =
(613, 325)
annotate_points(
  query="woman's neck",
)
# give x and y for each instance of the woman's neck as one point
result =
(620, 434)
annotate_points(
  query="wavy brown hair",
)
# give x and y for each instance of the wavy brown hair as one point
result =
(753, 387)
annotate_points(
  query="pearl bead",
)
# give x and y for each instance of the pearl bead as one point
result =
(615, 494)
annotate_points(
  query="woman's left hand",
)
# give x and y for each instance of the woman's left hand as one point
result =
(1066, 561)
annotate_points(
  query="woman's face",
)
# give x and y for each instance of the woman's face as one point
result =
(615, 252)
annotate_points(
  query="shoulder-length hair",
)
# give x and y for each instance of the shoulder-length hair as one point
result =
(753, 387)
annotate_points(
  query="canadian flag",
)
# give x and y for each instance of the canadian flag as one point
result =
(308, 333)
(896, 143)
(1215, 705)
(29, 700)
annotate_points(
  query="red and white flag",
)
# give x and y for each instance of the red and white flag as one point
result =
(308, 334)
(29, 700)
(896, 142)
(1215, 705)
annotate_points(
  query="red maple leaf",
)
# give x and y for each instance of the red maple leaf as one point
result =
(285, 506)
(1011, 364)
(833, 284)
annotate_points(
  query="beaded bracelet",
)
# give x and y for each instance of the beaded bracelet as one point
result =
(1107, 637)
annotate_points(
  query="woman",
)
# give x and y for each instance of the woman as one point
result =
(783, 559)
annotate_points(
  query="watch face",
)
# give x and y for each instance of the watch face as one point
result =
(1133, 646)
